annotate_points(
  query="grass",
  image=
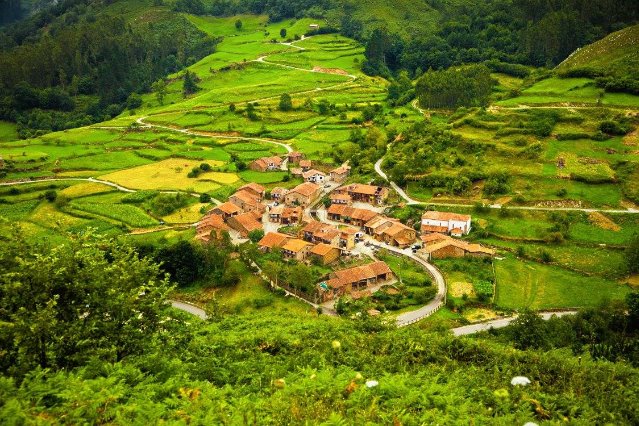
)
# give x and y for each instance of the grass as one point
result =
(8, 131)
(123, 213)
(262, 177)
(524, 284)
(170, 174)
(189, 214)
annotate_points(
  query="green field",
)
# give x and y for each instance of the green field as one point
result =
(522, 284)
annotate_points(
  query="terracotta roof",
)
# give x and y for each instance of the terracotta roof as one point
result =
(348, 231)
(360, 188)
(352, 212)
(446, 216)
(433, 228)
(295, 245)
(296, 171)
(209, 222)
(456, 231)
(344, 197)
(273, 239)
(377, 221)
(247, 221)
(246, 196)
(471, 248)
(307, 189)
(292, 212)
(341, 170)
(228, 208)
(255, 187)
(359, 273)
(434, 237)
(306, 163)
(403, 240)
(295, 154)
(312, 226)
(396, 228)
(322, 249)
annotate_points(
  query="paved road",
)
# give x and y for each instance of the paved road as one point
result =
(191, 309)
(502, 322)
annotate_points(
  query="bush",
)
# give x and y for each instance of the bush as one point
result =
(50, 195)
(205, 198)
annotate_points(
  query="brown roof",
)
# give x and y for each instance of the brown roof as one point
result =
(313, 226)
(456, 231)
(273, 239)
(433, 228)
(295, 154)
(295, 245)
(359, 273)
(264, 161)
(246, 196)
(352, 212)
(396, 228)
(344, 197)
(471, 248)
(322, 249)
(255, 187)
(341, 170)
(306, 189)
(209, 222)
(360, 188)
(228, 208)
(292, 212)
(434, 237)
(277, 210)
(247, 221)
(434, 215)
(306, 163)
(296, 171)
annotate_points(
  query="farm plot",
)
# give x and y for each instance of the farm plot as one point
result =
(171, 174)
(107, 206)
(523, 284)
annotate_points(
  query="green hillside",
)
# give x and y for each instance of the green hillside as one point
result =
(615, 54)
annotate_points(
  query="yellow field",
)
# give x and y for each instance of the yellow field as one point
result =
(188, 214)
(48, 216)
(170, 174)
(84, 189)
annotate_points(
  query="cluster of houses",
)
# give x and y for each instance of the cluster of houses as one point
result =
(316, 240)
(303, 168)
(243, 212)
(438, 228)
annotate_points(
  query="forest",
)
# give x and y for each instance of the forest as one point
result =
(88, 67)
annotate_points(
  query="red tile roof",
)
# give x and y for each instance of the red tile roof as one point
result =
(445, 216)
(306, 189)
(273, 239)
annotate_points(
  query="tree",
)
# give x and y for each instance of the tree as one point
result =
(286, 103)
(283, 33)
(250, 112)
(205, 198)
(238, 25)
(50, 195)
(256, 235)
(183, 261)
(274, 270)
(190, 83)
(301, 277)
(159, 88)
(89, 298)
(528, 331)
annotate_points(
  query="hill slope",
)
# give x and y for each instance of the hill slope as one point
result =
(615, 54)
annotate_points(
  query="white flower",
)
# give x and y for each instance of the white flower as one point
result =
(520, 381)
(531, 424)
(371, 383)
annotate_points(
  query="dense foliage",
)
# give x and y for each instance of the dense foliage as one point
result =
(452, 88)
(63, 306)
(86, 70)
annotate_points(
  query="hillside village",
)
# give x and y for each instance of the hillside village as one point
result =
(350, 224)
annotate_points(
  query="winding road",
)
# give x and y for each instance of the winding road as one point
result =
(503, 322)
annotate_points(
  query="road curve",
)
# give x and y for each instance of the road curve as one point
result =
(190, 308)
(503, 322)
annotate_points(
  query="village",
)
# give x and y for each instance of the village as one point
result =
(327, 221)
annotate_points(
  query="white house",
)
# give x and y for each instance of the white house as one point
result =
(446, 223)
(314, 176)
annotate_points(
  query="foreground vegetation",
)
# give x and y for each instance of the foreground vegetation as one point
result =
(264, 368)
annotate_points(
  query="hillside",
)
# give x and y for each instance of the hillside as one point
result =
(616, 54)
